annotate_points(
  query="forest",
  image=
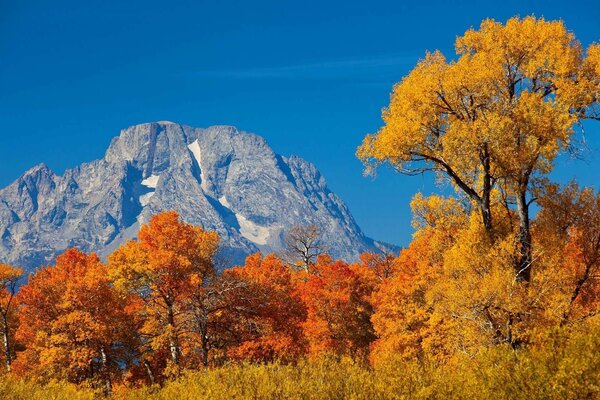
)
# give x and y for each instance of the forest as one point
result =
(497, 295)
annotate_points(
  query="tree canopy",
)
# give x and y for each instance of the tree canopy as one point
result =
(494, 119)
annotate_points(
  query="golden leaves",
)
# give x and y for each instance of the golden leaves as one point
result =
(511, 99)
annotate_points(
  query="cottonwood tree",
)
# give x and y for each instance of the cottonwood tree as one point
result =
(213, 312)
(304, 244)
(273, 308)
(493, 119)
(250, 313)
(406, 316)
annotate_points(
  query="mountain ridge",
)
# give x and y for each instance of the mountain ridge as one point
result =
(219, 177)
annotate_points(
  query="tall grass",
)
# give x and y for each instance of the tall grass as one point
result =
(560, 368)
(13, 389)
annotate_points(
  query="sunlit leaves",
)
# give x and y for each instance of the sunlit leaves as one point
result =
(163, 268)
(74, 324)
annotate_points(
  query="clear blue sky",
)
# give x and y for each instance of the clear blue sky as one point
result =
(311, 77)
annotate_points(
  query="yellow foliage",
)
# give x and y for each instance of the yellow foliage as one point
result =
(495, 117)
(13, 389)
(563, 366)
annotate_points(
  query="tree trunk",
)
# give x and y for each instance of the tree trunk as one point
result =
(202, 326)
(486, 210)
(149, 372)
(106, 373)
(306, 261)
(523, 265)
(485, 204)
(173, 346)
(6, 338)
(204, 351)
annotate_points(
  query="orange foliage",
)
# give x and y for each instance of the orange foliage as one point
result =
(339, 311)
(163, 268)
(402, 307)
(275, 311)
(382, 265)
(76, 327)
(569, 228)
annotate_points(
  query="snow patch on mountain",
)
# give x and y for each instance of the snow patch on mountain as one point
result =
(151, 181)
(197, 153)
(224, 202)
(253, 232)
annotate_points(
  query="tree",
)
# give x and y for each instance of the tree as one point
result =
(74, 323)
(337, 299)
(273, 308)
(214, 313)
(407, 317)
(162, 268)
(248, 313)
(401, 308)
(382, 265)
(570, 221)
(304, 244)
(494, 119)
(9, 277)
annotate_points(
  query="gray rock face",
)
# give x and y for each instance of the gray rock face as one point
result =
(220, 178)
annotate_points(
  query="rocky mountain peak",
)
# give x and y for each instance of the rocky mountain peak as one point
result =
(219, 177)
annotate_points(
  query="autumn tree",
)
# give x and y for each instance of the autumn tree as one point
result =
(453, 289)
(162, 268)
(337, 299)
(251, 312)
(272, 308)
(568, 226)
(214, 311)
(9, 277)
(382, 265)
(304, 244)
(74, 324)
(406, 318)
(493, 119)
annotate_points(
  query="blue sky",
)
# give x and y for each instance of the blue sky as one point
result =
(311, 77)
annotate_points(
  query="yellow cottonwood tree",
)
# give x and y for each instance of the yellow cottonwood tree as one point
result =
(493, 119)
(407, 319)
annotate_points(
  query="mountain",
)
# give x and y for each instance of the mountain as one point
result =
(219, 177)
